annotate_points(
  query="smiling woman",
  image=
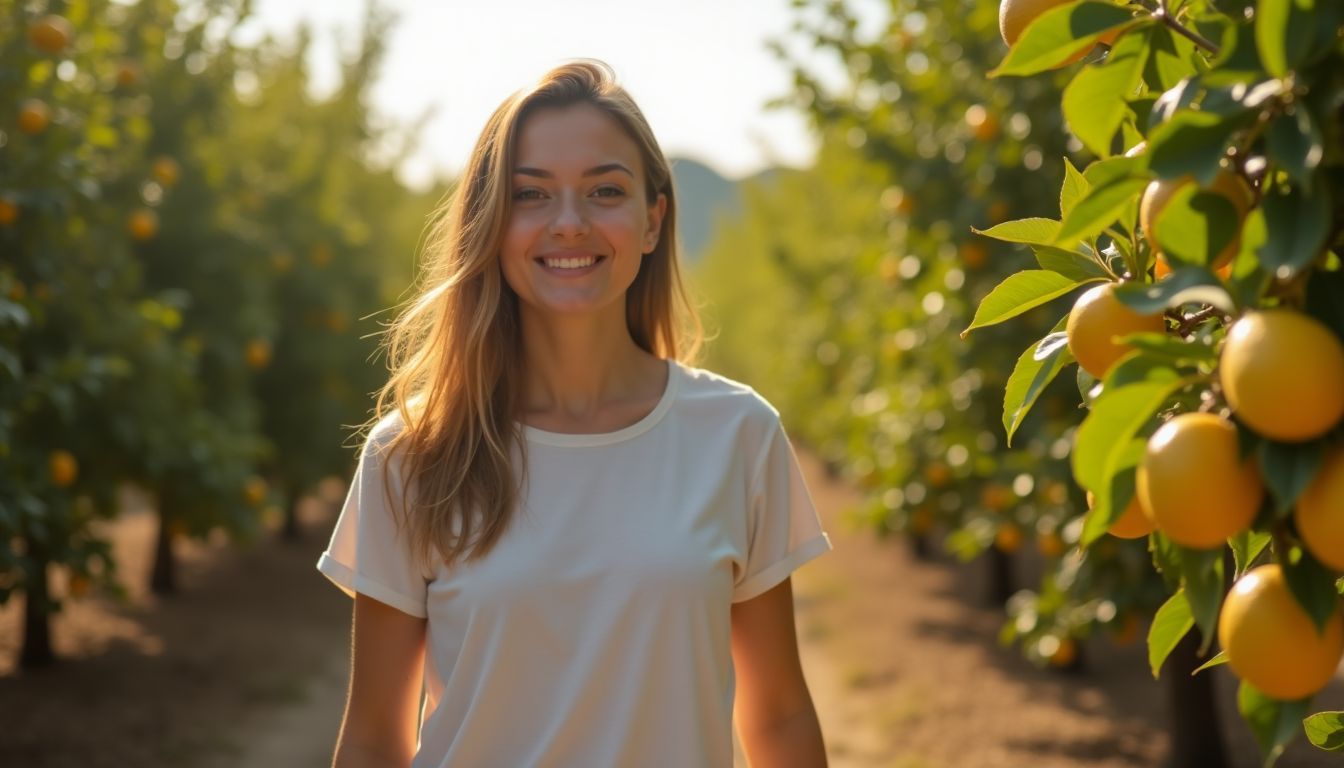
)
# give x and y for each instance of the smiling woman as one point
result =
(576, 542)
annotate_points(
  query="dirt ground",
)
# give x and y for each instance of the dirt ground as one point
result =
(247, 667)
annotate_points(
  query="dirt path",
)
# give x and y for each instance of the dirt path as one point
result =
(249, 667)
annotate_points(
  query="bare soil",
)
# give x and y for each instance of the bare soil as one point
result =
(247, 666)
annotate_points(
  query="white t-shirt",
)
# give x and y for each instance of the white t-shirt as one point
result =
(596, 632)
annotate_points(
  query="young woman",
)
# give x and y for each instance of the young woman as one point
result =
(577, 544)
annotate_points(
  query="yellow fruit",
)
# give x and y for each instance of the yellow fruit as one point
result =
(9, 211)
(254, 491)
(166, 171)
(50, 34)
(63, 467)
(1050, 545)
(1015, 15)
(1283, 374)
(1008, 538)
(1227, 185)
(1065, 654)
(1320, 512)
(974, 255)
(1096, 320)
(1272, 643)
(937, 474)
(143, 224)
(1132, 523)
(257, 354)
(889, 269)
(997, 497)
(1161, 268)
(34, 116)
(1193, 483)
(128, 73)
(984, 126)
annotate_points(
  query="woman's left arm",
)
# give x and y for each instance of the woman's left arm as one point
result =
(775, 719)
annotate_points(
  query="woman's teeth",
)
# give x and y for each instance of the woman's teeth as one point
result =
(570, 263)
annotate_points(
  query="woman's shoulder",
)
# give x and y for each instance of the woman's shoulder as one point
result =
(708, 390)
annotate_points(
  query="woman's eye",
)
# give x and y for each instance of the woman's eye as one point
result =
(609, 192)
(529, 193)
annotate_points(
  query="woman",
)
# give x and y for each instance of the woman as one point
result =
(578, 544)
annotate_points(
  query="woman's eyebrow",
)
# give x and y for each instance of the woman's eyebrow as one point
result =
(596, 170)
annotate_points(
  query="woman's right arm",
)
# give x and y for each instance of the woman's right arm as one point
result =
(382, 710)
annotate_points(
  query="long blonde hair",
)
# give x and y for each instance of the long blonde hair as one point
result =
(454, 351)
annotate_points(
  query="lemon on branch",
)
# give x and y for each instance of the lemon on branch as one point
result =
(1283, 374)
(1096, 320)
(1320, 512)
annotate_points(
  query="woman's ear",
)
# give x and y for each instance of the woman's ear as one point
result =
(657, 210)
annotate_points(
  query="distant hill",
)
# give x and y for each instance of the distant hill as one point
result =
(702, 196)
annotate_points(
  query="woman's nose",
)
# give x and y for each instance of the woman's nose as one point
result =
(570, 218)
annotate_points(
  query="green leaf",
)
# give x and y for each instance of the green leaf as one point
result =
(1238, 61)
(1113, 169)
(1325, 300)
(1288, 469)
(1172, 622)
(1171, 60)
(1195, 225)
(1219, 659)
(1274, 723)
(1109, 506)
(1295, 145)
(1297, 225)
(1191, 143)
(1115, 418)
(1094, 101)
(1098, 209)
(1172, 350)
(1071, 264)
(1036, 231)
(1313, 585)
(1059, 34)
(1283, 33)
(1326, 730)
(1202, 576)
(1074, 187)
(1031, 375)
(1019, 293)
(1185, 285)
(1246, 547)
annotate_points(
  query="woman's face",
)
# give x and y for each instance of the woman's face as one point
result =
(579, 220)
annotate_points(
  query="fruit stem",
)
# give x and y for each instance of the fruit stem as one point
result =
(1164, 16)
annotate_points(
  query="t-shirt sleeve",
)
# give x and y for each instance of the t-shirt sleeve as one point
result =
(783, 530)
(369, 553)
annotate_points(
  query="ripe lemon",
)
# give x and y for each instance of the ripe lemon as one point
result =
(1272, 643)
(63, 467)
(128, 73)
(1015, 15)
(50, 34)
(9, 211)
(997, 497)
(1008, 538)
(1096, 319)
(254, 491)
(143, 224)
(1132, 523)
(937, 474)
(257, 354)
(1320, 512)
(166, 171)
(34, 116)
(1159, 193)
(1066, 654)
(1193, 483)
(1050, 545)
(1283, 374)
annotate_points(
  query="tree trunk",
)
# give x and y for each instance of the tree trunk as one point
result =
(1001, 584)
(36, 650)
(163, 578)
(919, 545)
(1196, 737)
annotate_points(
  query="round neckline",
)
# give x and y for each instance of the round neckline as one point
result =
(588, 439)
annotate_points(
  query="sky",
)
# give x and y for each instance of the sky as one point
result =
(699, 69)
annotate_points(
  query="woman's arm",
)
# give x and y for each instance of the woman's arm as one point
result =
(773, 711)
(382, 710)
